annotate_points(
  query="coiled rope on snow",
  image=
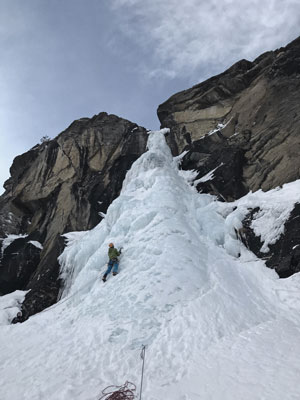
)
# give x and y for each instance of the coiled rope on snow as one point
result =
(127, 391)
(124, 392)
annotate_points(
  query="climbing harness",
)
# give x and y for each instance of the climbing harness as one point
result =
(125, 392)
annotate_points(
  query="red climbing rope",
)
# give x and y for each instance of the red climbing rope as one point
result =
(125, 392)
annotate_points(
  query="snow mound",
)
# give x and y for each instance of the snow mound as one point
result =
(10, 305)
(216, 326)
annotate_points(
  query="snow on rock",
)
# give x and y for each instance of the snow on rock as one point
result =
(219, 128)
(275, 207)
(36, 244)
(216, 326)
(208, 177)
(10, 305)
(9, 239)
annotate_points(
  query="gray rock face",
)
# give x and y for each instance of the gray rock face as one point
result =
(17, 264)
(59, 186)
(244, 125)
(216, 153)
(259, 104)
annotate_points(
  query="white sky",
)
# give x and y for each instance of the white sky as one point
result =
(62, 60)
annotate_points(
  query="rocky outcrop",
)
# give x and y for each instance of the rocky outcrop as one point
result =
(18, 262)
(59, 186)
(241, 132)
(284, 255)
(219, 164)
(255, 107)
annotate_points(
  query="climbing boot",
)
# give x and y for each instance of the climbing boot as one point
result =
(115, 273)
(104, 278)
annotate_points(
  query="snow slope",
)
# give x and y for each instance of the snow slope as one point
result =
(216, 326)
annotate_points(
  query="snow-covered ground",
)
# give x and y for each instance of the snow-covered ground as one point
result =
(216, 326)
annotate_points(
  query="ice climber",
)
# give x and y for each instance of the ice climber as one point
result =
(113, 262)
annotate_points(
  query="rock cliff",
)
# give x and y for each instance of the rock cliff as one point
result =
(253, 107)
(244, 125)
(59, 186)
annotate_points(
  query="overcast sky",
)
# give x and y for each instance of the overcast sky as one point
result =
(66, 59)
